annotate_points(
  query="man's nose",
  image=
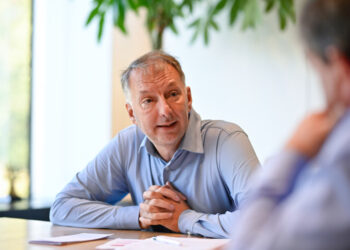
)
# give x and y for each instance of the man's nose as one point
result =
(164, 108)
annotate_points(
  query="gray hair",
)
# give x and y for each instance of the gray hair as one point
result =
(326, 23)
(152, 58)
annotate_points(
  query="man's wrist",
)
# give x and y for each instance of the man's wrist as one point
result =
(128, 217)
(187, 219)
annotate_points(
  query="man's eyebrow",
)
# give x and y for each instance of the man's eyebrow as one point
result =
(144, 92)
(172, 84)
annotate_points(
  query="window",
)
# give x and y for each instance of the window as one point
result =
(15, 75)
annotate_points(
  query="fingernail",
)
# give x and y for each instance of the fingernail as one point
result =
(172, 207)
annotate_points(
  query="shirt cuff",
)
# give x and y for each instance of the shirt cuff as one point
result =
(128, 217)
(187, 220)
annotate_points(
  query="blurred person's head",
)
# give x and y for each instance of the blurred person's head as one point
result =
(325, 29)
(158, 101)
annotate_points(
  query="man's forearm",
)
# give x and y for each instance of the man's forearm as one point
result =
(77, 212)
(208, 225)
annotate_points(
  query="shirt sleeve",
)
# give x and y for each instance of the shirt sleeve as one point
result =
(236, 162)
(281, 215)
(88, 200)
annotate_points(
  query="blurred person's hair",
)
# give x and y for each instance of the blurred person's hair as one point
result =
(326, 23)
(154, 58)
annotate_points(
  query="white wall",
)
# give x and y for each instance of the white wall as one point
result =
(71, 109)
(258, 79)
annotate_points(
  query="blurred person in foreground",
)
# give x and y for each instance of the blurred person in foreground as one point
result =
(183, 173)
(301, 199)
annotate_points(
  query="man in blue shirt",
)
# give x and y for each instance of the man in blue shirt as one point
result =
(301, 198)
(184, 174)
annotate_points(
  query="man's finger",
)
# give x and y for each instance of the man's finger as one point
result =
(148, 195)
(149, 222)
(157, 216)
(153, 188)
(145, 208)
(182, 197)
(157, 205)
(168, 193)
(161, 203)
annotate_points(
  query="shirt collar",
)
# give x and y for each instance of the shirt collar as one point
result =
(192, 140)
(146, 143)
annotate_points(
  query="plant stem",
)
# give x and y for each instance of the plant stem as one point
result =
(157, 43)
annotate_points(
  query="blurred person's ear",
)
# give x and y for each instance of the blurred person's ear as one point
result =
(342, 71)
(334, 72)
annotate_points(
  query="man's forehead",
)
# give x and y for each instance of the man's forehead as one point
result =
(152, 68)
(152, 72)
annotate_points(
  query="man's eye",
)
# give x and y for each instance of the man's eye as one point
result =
(173, 93)
(147, 101)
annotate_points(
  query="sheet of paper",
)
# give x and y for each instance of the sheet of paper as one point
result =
(60, 240)
(185, 243)
(117, 244)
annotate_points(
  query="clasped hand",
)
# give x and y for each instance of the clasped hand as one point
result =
(162, 205)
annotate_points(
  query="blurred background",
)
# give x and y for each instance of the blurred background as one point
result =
(60, 95)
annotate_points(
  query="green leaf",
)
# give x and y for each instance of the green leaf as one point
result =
(92, 14)
(269, 5)
(133, 5)
(195, 23)
(251, 11)
(214, 25)
(143, 3)
(100, 26)
(195, 35)
(190, 6)
(282, 19)
(236, 7)
(150, 21)
(221, 4)
(173, 28)
(206, 35)
(119, 15)
(288, 7)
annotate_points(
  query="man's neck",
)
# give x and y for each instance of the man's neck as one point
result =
(166, 153)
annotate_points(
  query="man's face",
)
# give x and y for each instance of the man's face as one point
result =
(160, 104)
(329, 76)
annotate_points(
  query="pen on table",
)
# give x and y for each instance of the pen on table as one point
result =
(166, 241)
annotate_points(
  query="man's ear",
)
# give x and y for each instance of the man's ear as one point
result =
(189, 98)
(130, 111)
(342, 70)
(345, 83)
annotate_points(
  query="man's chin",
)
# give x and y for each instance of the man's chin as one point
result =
(168, 141)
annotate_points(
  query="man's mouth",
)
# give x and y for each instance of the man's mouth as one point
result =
(167, 125)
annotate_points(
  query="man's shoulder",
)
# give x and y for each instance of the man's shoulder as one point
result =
(131, 134)
(220, 126)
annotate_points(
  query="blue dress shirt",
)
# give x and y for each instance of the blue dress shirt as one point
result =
(212, 168)
(299, 203)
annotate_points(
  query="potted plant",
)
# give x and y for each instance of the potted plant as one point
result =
(162, 14)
